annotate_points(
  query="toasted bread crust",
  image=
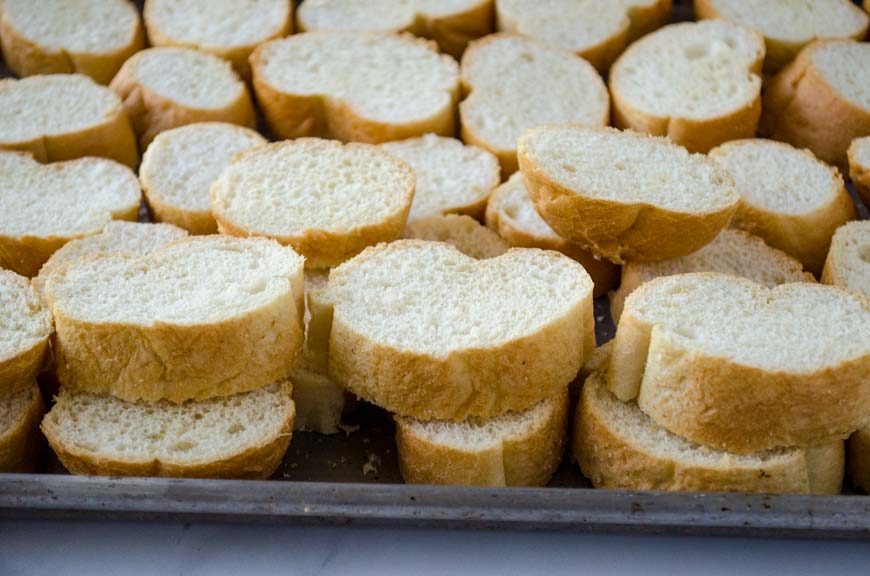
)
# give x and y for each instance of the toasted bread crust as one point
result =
(22, 444)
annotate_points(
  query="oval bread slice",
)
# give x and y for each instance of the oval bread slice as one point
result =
(356, 87)
(514, 449)
(622, 195)
(21, 443)
(25, 325)
(240, 436)
(463, 232)
(734, 365)
(326, 199)
(202, 317)
(848, 263)
(859, 167)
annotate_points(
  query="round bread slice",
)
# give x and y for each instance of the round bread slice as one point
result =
(597, 31)
(240, 436)
(821, 100)
(180, 165)
(514, 449)
(697, 83)
(92, 37)
(21, 443)
(423, 330)
(623, 195)
(451, 178)
(355, 86)
(618, 446)
(516, 83)
(732, 252)
(511, 213)
(63, 117)
(450, 24)
(859, 167)
(164, 88)
(463, 232)
(25, 325)
(788, 26)
(848, 263)
(201, 317)
(326, 199)
(225, 28)
(44, 206)
(787, 197)
(734, 365)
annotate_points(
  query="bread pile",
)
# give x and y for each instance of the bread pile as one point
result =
(434, 200)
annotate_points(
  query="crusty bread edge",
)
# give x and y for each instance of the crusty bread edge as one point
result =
(22, 444)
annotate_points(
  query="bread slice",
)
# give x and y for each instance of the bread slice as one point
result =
(201, 317)
(326, 199)
(788, 26)
(463, 232)
(597, 31)
(21, 443)
(515, 83)
(228, 29)
(514, 449)
(511, 213)
(734, 365)
(848, 263)
(622, 195)
(859, 167)
(63, 117)
(422, 330)
(732, 252)
(92, 37)
(821, 100)
(618, 446)
(47, 205)
(240, 436)
(787, 197)
(164, 88)
(697, 83)
(450, 24)
(25, 325)
(451, 178)
(353, 86)
(180, 165)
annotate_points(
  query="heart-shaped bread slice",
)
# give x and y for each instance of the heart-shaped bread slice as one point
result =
(423, 330)
(735, 365)
(25, 325)
(201, 317)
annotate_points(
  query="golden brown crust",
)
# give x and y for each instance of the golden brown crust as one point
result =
(22, 444)
(199, 222)
(859, 173)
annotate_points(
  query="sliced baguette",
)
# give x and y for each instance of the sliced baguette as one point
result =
(859, 167)
(452, 25)
(732, 252)
(734, 365)
(240, 436)
(25, 325)
(463, 232)
(422, 330)
(848, 263)
(44, 206)
(697, 83)
(451, 178)
(788, 26)
(326, 199)
(511, 213)
(821, 100)
(226, 28)
(21, 443)
(618, 446)
(597, 31)
(787, 197)
(63, 117)
(515, 83)
(164, 88)
(355, 86)
(622, 195)
(180, 165)
(514, 449)
(92, 37)
(201, 317)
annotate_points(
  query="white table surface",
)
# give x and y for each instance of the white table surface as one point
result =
(95, 548)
